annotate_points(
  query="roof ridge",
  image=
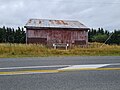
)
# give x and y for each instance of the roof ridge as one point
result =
(50, 23)
(54, 19)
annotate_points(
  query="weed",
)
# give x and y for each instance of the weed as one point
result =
(36, 50)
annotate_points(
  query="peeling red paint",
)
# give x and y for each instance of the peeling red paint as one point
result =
(59, 36)
(50, 32)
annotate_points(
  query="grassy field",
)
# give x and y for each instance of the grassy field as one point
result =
(23, 50)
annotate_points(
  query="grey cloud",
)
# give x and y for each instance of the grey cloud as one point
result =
(93, 13)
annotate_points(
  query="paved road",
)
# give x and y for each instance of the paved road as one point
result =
(5, 62)
(103, 73)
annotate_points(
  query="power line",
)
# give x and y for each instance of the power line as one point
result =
(106, 40)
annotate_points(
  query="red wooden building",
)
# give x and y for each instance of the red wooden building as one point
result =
(49, 32)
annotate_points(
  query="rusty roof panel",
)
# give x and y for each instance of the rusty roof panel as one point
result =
(54, 23)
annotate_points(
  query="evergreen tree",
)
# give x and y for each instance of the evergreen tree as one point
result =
(10, 35)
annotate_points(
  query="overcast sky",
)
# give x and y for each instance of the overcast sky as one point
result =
(92, 13)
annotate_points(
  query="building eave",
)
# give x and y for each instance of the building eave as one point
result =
(37, 28)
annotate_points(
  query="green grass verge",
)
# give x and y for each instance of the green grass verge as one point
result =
(31, 50)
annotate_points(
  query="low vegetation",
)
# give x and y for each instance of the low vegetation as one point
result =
(35, 50)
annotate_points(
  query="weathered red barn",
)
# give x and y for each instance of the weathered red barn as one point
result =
(49, 32)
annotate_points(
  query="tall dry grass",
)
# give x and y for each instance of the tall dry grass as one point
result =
(36, 50)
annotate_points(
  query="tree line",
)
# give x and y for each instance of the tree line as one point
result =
(104, 36)
(11, 35)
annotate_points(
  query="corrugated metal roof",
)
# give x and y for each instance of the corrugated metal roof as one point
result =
(54, 23)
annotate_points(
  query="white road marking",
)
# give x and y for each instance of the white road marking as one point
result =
(28, 67)
(84, 66)
(66, 67)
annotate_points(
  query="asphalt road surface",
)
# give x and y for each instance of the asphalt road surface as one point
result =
(60, 73)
